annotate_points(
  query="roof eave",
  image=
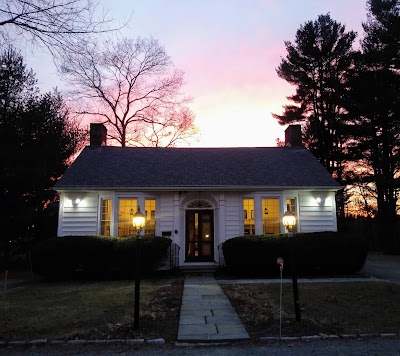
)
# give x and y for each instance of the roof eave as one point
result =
(196, 188)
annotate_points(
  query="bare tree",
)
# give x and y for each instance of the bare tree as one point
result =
(133, 87)
(167, 128)
(55, 24)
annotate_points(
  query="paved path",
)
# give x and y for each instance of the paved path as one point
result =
(383, 266)
(206, 313)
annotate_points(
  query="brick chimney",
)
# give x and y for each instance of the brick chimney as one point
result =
(293, 136)
(98, 135)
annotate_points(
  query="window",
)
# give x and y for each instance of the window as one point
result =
(271, 216)
(248, 216)
(291, 206)
(105, 224)
(127, 208)
(150, 215)
(199, 204)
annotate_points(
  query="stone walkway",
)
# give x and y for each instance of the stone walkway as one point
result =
(206, 313)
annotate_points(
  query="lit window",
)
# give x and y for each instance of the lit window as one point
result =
(150, 214)
(105, 217)
(291, 206)
(127, 209)
(271, 216)
(248, 216)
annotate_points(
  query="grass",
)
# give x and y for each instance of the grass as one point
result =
(104, 310)
(90, 310)
(326, 308)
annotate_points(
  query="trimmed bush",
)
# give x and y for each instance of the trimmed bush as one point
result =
(153, 251)
(62, 257)
(95, 256)
(319, 253)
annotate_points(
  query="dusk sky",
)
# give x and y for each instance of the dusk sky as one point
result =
(229, 50)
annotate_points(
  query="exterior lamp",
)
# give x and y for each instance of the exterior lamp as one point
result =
(138, 222)
(289, 222)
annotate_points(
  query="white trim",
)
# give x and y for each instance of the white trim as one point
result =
(60, 215)
(202, 188)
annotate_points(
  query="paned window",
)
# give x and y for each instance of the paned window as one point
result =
(271, 216)
(150, 215)
(105, 217)
(248, 216)
(127, 209)
(291, 206)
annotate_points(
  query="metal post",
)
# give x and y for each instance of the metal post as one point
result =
(137, 282)
(294, 276)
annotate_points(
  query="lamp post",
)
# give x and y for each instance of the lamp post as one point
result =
(289, 222)
(138, 223)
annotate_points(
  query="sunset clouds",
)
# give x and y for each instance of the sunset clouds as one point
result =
(229, 50)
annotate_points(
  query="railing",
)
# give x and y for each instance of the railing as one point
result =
(171, 260)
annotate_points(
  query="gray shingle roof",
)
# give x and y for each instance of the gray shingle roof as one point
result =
(129, 167)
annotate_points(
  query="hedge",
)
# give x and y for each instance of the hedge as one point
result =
(319, 253)
(153, 250)
(95, 256)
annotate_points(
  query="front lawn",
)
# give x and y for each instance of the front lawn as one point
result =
(91, 310)
(326, 308)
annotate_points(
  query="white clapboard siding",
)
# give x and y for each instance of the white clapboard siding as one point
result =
(233, 225)
(314, 216)
(165, 212)
(82, 219)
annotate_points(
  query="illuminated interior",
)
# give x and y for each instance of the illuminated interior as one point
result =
(291, 206)
(271, 216)
(150, 215)
(127, 209)
(248, 216)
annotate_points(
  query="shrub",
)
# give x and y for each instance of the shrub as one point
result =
(54, 258)
(316, 253)
(95, 256)
(62, 257)
(153, 250)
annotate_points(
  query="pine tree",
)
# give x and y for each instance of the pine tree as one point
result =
(317, 64)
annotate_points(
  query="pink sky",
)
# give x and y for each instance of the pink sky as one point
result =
(229, 50)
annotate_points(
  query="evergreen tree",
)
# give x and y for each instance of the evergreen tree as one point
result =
(374, 108)
(36, 141)
(317, 64)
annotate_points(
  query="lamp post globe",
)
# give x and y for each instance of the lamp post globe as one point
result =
(138, 221)
(289, 220)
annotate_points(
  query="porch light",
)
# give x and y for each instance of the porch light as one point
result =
(76, 201)
(138, 222)
(289, 222)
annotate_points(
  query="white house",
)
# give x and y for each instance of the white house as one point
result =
(199, 197)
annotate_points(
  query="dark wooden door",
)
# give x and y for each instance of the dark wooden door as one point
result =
(199, 235)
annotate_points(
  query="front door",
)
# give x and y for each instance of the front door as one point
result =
(199, 236)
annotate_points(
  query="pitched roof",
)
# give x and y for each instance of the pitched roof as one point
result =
(109, 167)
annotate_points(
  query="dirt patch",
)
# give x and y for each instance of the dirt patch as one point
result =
(326, 308)
(159, 318)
